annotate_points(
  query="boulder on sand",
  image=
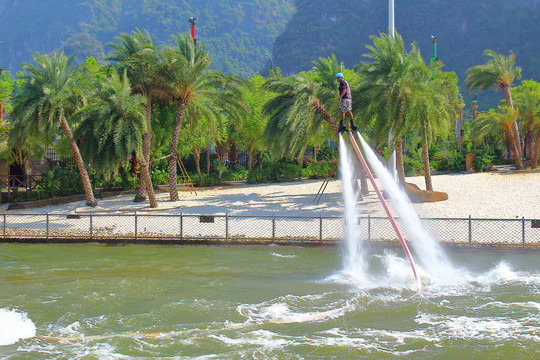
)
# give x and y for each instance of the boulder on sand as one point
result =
(418, 196)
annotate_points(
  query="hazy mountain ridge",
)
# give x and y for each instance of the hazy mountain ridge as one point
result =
(464, 29)
(235, 32)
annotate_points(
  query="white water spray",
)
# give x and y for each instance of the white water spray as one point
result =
(428, 251)
(14, 326)
(354, 262)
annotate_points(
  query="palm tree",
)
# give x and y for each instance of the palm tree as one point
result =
(487, 124)
(432, 109)
(137, 54)
(250, 128)
(49, 95)
(115, 120)
(528, 103)
(387, 89)
(499, 72)
(189, 84)
(290, 126)
(290, 123)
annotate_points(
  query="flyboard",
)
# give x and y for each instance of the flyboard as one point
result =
(385, 206)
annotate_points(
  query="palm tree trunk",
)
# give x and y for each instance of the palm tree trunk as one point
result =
(534, 162)
(173, 190)
(319, 108)
(147, 145)
(363, 181)
(399, 161)
(90, 199)
(233, 153)
(425, 158)
(134, 164)
(514, 130)
(515, 147)
(197, 158)
(530, 138)
(145, 179)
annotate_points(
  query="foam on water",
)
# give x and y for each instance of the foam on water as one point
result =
(387, 270)
(466, 327)
(282, 256)
(14, 326)
(293, 309)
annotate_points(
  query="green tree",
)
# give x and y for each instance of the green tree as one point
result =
(251, 129)
(527, 97)
(488, 125)
(498, 72)
(388, 89)
(50, 95)
(432, 108)
(7, 84)
(137, 54)
(302, 104)
(113, 124)
(189, 83)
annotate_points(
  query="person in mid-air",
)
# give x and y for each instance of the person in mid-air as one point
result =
(346, 103)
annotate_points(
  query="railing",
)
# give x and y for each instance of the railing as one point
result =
(244, 229)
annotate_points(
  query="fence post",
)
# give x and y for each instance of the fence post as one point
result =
(227, 227)
(523, 230)
(273, 227)
(470, 230)
(4, 224)
(320, 227)
(91, 228)
(181, 226)
(47, 227)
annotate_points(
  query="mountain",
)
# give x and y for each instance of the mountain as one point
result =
(464, 30)
(236, 33)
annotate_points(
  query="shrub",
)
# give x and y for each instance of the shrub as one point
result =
(327, 153)
(237, 173)
(483, 160)
(159, 177)
(255, 176)
(22, 196)
(447, 160)
(283, 171)
(413, 163)
(220, 168)
(317, 170)
(203, 181)
(125, 181)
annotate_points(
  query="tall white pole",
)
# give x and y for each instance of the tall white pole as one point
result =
(391, 23)
(391, 29)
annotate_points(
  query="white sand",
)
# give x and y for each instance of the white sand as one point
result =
(501, 194)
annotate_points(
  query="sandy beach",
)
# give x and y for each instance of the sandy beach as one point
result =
(502, 194)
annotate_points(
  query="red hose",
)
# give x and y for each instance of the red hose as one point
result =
(387, 209)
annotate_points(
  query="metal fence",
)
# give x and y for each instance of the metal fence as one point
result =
(240, 229)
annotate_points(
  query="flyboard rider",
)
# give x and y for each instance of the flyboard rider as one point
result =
(346, 103)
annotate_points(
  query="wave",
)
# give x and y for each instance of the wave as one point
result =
(14, 326)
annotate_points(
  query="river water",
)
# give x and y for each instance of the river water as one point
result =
(140, 302)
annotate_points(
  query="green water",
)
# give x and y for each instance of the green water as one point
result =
(143, 302)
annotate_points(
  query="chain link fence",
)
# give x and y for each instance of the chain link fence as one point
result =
(264, 230)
